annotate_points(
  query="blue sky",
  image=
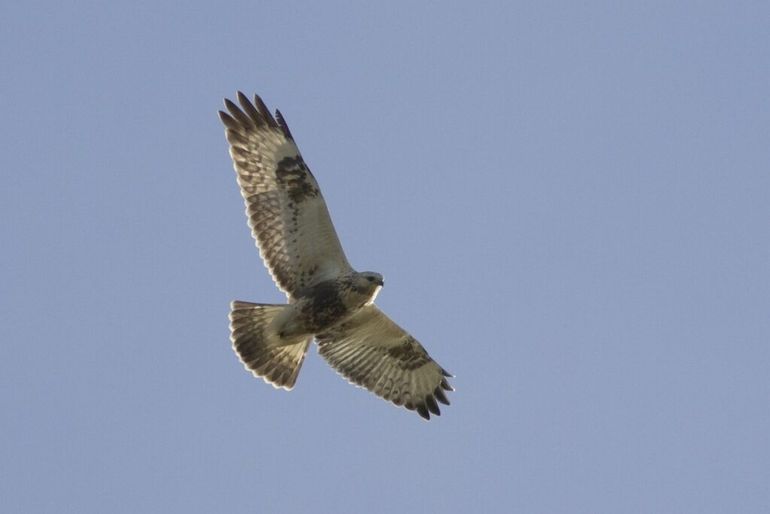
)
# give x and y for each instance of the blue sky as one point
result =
(570, 203)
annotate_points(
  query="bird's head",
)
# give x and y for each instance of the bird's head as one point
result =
(373, 277)
(368, 284)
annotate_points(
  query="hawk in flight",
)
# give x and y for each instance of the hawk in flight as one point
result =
(327, 299)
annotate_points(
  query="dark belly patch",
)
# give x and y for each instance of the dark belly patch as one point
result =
(324, 306)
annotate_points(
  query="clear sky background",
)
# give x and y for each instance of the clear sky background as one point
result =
(570, 203)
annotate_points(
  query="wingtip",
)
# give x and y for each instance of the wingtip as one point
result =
(432, 405)
(440, 396)
(228, 120)
(282, 123)
(230, 105)
(259, 104)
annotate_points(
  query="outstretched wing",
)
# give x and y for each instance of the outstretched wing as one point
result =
(370, 350)
(287, 214)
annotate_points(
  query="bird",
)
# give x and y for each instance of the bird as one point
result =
(327, 300)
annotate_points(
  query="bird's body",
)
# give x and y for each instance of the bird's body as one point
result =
(327, 299)
(321, 306)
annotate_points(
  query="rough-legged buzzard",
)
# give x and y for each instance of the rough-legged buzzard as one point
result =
(327, 299)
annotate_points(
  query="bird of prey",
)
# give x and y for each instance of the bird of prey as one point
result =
(327, 299)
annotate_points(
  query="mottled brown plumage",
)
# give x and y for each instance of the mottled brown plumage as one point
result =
(327, 298)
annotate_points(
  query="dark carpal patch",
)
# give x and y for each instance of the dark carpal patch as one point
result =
(409, 354)
(294, 175)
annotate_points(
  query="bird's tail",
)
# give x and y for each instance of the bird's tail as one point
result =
(260, 348)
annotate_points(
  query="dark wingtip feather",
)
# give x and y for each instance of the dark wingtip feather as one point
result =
(423, 411)
(249, 108)
(238, 114)
(445, 385)
(432, 405)
(284, 126)
(440, 396)
(231, 107)
(264, 111)
(228, 120)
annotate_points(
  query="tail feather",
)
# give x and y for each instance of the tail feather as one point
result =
(261, 352)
